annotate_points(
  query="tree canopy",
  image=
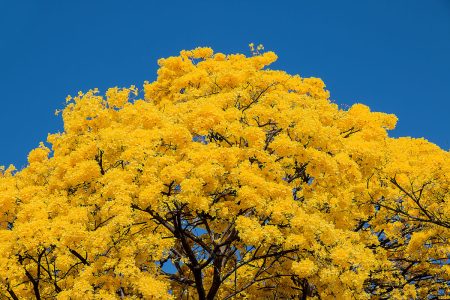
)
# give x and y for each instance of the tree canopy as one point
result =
(225, 179)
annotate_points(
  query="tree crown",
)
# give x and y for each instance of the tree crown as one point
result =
(227, 179)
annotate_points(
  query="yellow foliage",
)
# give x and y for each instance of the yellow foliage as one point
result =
(250, 182)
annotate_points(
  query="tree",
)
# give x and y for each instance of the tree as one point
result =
(228, 180)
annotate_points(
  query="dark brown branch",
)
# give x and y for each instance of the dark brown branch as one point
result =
(193, 264)
(34, 281)
(412, 197)
(81, 258)
(254, 258)
(218, 137)
(255, 99)
(349, 132)
(270, 135)
(11, 292)
(171, 227)
(299, 172)
(99, 160)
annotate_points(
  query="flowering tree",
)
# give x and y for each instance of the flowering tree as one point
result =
(228, 180)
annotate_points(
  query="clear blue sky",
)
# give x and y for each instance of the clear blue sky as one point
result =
(392, 55)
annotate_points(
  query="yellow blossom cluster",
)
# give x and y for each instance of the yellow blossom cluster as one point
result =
(225, 179)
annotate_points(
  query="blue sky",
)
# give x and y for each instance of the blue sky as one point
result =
(391, 55)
